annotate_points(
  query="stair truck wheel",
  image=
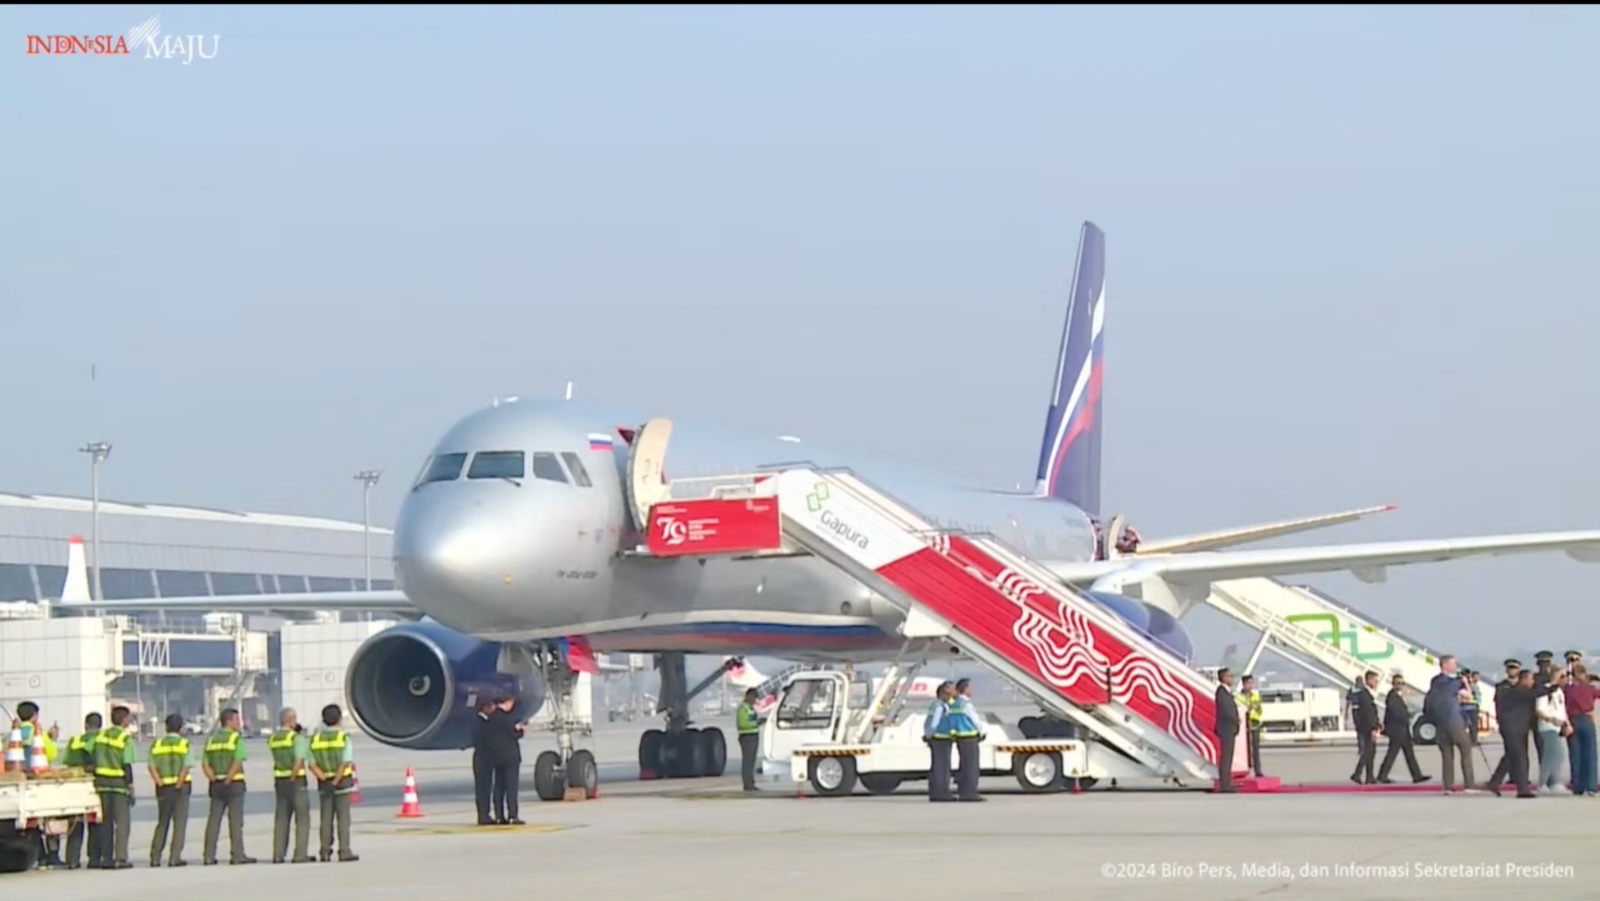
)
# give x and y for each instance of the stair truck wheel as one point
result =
(1038, 771)
(832, 776)
(1424, 732)
(546, 784)
(583, 773)
(881, 783)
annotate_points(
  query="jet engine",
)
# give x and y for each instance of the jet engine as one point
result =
(414, 686)
(1151, 621)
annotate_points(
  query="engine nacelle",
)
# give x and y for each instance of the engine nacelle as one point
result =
(1150, 620)
(414, 686)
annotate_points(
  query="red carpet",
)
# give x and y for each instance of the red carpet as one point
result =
(1271, 785)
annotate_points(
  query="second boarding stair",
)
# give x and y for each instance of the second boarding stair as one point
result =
(1075, 659)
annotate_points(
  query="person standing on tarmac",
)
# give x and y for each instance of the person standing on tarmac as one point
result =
(968, 735)
(80, 754)
(1226, 729)
(749, 726)
(1397, 725)
(1253, 720)
(28, 713)
(482, 763)
(169, 768)
(936, 733)
(333, 763)
(115, 753)
(223, 765)
(290, 756)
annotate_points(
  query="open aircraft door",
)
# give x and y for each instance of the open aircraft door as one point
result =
(647, 480)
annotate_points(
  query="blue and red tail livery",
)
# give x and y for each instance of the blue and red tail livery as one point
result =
(1069, 460)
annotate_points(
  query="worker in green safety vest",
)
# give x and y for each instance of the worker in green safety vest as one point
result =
(115, 752)
(169, 769)
(333, 763)
(749, 726)
(80, 754)
(1250, 697)
(291, 754)
(223, 765)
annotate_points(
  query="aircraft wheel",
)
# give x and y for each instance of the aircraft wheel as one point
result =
(1038, 772)
(716, 745)
(652, 745)
(1030, 726)
(881, 783)
(547, 783)
(583, 773)
(832, 776)
(691, 753)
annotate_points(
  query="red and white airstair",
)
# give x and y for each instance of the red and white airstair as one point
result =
(1074, 658)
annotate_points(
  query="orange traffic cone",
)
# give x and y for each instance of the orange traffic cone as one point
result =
(14, 755)
(355, 786)
(410, 807)
(38, 762)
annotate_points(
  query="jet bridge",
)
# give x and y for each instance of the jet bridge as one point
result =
(1326, 637)
(1074, 659)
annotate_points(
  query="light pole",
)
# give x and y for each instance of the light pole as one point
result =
(367, 478)
(98, 451)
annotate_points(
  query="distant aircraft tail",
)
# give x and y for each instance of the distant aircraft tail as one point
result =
(1069, 455)
(75, 589)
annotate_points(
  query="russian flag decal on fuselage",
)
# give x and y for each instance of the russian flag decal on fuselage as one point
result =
(599, 442)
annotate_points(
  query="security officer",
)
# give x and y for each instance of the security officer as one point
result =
(749, 738)
(290, 756)
(223, 765)
(333, 763)
(115, 751)
(1251, 699)
(967, 735)
(936, 732)
(80, 754)
(169, 767)
(1572, 657)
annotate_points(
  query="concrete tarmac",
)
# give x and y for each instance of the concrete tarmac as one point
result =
(704, 839)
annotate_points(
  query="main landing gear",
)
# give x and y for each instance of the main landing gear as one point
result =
(554, 772)
(680, 751)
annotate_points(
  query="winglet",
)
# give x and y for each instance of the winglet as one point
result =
(76, 588)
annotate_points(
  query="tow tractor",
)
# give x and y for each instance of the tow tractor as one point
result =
(830, 729)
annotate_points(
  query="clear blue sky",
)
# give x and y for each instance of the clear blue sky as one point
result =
(1354, 253)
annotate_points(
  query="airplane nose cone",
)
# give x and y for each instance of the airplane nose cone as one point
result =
(445, 552)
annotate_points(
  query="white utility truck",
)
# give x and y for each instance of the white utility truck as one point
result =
(36, 805)
(832, 730)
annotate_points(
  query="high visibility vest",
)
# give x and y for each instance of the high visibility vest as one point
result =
(1252, 706)
(80, 750)
(285, 763)
(745, 719)
(939, 711)
(220, 749)
(168, 756)
(28, 729)
(327, 751)
(959, 719)
(109, 774)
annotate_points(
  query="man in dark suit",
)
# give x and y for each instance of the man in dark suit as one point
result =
(1364, 711)
(482, 764)
(1514, 706)
(1397, 725)
(1442, 707)
(1227, 730)
(503, 742)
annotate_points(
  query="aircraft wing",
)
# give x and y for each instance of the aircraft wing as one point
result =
(392, 601)
(1210, 541)
(1367, 561)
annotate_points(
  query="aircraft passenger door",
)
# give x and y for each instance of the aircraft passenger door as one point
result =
(647, 480)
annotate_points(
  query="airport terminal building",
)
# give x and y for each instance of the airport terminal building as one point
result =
(162, 663)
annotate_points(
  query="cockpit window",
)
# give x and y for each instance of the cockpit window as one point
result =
(497, 465)
(443, 468)
(547, 467)
(580, 476)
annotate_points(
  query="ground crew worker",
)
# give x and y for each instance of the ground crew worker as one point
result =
(28, 713)
(80, 754)
(223, 765)
(749, 727)
(1251, 699)
(115, 752)
(291, 754)
(936, 732)
(333, 763)
(967, 735)
(169, 768)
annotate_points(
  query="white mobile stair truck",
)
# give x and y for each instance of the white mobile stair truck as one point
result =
(32, 805)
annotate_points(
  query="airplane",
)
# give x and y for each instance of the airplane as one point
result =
(516, 547)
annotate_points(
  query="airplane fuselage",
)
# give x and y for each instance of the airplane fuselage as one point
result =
(535, 555)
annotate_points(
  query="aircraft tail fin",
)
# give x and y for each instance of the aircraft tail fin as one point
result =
(1069, 455)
